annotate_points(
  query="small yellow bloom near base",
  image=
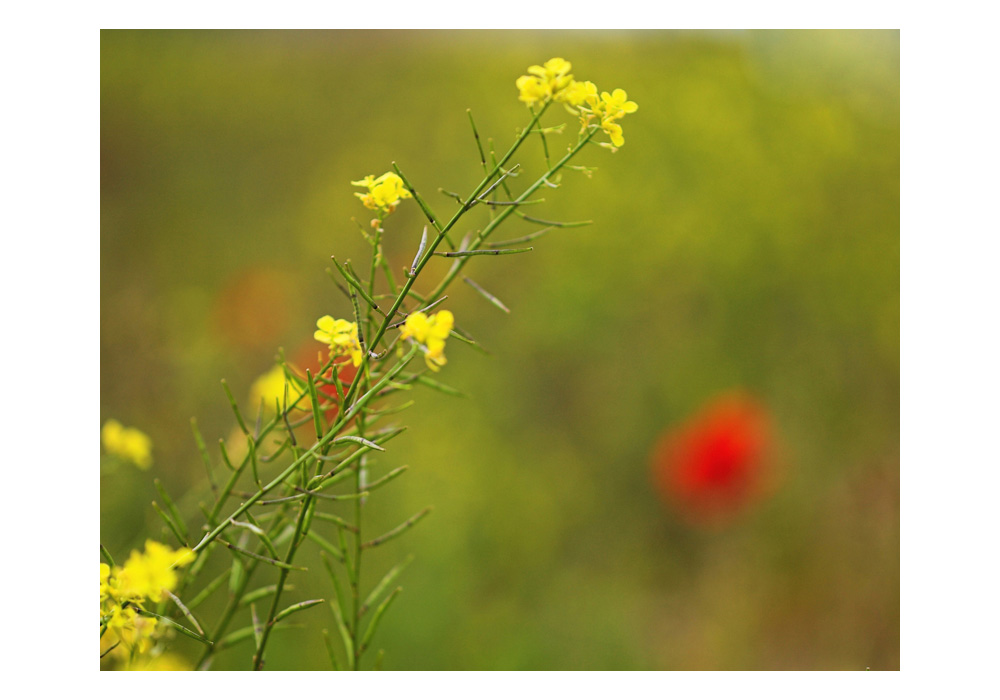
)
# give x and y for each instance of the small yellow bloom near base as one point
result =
(145, 576)
(129, 444)
(133, 632)
(431, 332)
(341, 336)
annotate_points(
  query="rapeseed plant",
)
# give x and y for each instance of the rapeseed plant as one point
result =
(284, 488)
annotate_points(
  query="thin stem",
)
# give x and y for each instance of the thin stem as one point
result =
(297, 537)
(236, 596)
(376, 254)
(355, 571)
(437, 241)
(310, 453)
(490, 227)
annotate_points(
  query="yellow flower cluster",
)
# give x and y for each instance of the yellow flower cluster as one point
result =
(342, 337)
(129, 630)
(130, 444)
(545, 82)
(146, 575)
(431, 332)
(384, 192)
(553, 81)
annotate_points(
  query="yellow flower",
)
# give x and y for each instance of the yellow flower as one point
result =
(545, 81)
(147, 575)
(130, 629)
(532, 89)
(128, 443)
(121, 617)
(431, 332)
(555, 72)
(270, 386)
(108, 583)
(615, 132)
(125, 588)
(384, 192)
(342, 337)
(553, 68)
(579, 92)
(614, 106)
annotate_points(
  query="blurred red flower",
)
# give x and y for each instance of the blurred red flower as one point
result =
(719, 462)
(313, 359)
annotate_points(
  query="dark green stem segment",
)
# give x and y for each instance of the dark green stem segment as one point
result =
(355, 570)
(293, 546)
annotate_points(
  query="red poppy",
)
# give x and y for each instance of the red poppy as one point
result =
(719, 462)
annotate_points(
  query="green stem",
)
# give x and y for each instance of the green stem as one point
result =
(376, 252)
(233, 604)
(293, 546)
(490, 227)
(469, 202)
(355, 571)
(191, 573)
(310, 453)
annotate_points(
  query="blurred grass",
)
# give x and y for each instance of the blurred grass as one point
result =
(747, 234)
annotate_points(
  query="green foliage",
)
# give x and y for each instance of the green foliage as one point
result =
(746, 235)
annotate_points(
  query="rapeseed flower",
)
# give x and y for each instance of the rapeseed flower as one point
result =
(132, 627)
(612, 107)
(124, 590)
(616, 104)
(147, 574)
(342, 337)
(384, 192)
(579, 92)
(431, 332)
(532, 89)
(129, 444)
(130, 630)
(107, 583)
(544, 82)
(553, 81)
(270, 387)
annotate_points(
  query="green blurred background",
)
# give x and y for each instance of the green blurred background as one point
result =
(746, 235)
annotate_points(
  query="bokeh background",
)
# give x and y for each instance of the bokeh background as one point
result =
(745, 237)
